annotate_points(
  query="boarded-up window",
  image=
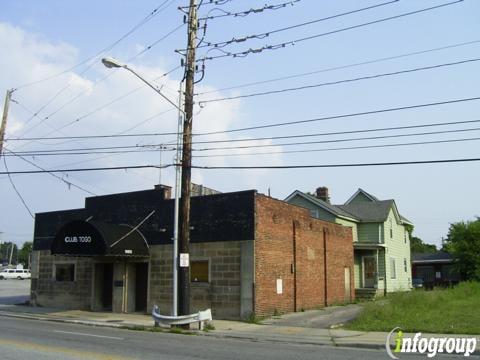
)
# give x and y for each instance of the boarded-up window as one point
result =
(64, 272)
(199, 271)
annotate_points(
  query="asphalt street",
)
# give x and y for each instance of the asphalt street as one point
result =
(37, 340)
(13, 291)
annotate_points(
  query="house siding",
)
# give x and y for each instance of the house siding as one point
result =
(368, 233)
(360, 198)
(398, 250)
(350, 224)
(319, 212)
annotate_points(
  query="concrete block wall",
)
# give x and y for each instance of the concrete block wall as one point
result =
(222, 294)
(289, 245)
(48, 292)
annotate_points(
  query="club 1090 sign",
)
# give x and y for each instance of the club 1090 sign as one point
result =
(78, 239)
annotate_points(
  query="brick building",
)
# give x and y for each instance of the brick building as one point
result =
(249, 254)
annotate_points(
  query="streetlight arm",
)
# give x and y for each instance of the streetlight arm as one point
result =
(153, 87)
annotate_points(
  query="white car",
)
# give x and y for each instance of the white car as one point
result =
(20, 274)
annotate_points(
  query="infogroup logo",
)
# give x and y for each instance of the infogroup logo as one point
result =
(428, 345)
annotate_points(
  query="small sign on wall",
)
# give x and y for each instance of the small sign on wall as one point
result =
(279, 286)
(184, 260)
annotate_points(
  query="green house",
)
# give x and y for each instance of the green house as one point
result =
(381, 240)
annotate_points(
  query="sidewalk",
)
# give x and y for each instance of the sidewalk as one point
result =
(223, 328)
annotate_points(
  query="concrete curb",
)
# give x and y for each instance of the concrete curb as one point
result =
(63, 320)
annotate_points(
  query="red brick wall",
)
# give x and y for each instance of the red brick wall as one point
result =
(289, 245)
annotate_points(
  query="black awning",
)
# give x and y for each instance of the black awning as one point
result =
(94, 238)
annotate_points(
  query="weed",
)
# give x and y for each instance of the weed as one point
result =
(208, 327)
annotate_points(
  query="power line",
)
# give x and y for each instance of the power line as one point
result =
(63, 89)
(94, 111)
(86, 169)
(34, 154)
(72, 100)
(94, 148)
(68, 183)
(334, 117)
(149, 17)
(15, 188)
(149, 47)
(247, 167)
(119, 152)
(211, 2)
(367, 62)
(246, 12)
(339, 140)
(83, 151)
(339, 132)
(268, 33)
(376, 76)
(443, 161)
(340, 148)
(42, 120)
(293, 42)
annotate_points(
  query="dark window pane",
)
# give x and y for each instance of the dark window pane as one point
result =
(65, 272)
(199, 271)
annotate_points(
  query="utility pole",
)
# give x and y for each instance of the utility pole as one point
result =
(184, 238)
(11, 254)
(178, 180)
(4, 119)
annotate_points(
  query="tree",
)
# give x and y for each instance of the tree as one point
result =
(417, 246)
(6, 251)
(463, 242)
(24, 253)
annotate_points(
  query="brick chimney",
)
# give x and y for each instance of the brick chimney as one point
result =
(167, 191)
(322, 194)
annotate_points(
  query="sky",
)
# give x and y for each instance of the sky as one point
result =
(51, 52)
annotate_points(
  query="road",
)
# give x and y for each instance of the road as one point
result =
(14, 291)
(41, 340)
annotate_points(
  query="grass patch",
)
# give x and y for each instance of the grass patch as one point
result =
(208, 327)
(254, 319)
(173, 330)
(449, 311)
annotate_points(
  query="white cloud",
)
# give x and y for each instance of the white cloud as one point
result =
(78, 98)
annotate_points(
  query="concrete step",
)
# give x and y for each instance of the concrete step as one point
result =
(366, 294)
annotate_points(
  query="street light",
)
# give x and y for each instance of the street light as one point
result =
(114, 63)
(110, 63)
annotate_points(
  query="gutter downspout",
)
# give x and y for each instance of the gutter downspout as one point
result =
(294, 265)
(325, 265)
